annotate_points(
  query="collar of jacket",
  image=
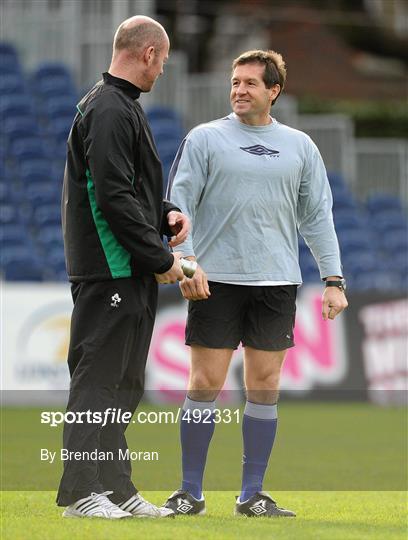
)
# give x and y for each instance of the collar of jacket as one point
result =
(130, 89)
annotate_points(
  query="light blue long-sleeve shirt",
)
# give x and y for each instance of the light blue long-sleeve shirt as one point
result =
(248, 190)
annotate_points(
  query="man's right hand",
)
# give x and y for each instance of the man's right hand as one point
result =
(174, 274)
(195, 288)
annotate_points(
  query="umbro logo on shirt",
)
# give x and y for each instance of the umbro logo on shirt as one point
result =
(260, 150)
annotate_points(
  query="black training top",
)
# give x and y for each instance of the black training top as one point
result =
(113, 213)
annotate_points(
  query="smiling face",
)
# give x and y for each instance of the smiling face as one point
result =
(250, 99)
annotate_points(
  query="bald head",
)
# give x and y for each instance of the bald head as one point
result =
(140, 50)
(137, 33)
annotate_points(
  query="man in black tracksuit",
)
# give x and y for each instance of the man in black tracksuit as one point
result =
(113, 216)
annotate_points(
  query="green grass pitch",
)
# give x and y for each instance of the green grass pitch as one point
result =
(321, 515)
(341, 466)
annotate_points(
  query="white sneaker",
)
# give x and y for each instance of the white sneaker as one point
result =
(140, 508)
(96, 505)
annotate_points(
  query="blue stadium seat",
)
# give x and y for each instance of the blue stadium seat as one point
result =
(62, 105)
(159, 112)
(342, 199)
(167, 153)
(399, 263)
(4, 192)
(335, 179)
(58, 170)
(23, 269)
(12, 69)
(9, 192)
(59, 150)
(382, 201)
(41, 193)
(8, 57)
(389, 220)
(53, 87)
(344, 213)
(61, 275)
(375, 280)
(21, 241)
(36, 175)
(11, 83)
(56, 257)
(56, 264)
(27, 148)
(38, 169)
(18, 128)
(404, 284)
(167, 130)
(304, 250)
(50, 237)
(311, 276)
(359, 261)
(12, 235)
(52, 79)
(4, 172)
(7, 49)
(397, 242)
(309, 268)
(15, 252)
(341, 191)
(166, 167)
(15, 106)
(47, 214)
(350, 241)
(51, 69)
(60, 127)
(8, 214)
(353, 219)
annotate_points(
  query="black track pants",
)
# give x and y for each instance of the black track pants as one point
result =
(111, 328)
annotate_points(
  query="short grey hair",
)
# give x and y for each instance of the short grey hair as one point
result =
(137, 37)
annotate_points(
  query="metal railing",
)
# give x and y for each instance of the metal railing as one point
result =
(334, 136)
(77, 33)
(382, 166)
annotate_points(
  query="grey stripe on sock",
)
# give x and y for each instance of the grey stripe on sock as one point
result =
(190, 405)
(261, 411)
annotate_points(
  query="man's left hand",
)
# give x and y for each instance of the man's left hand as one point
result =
(334, 301)
(195, 288)
(180, 227)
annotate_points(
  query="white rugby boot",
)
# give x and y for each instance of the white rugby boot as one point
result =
(139, 507)
(97, 505)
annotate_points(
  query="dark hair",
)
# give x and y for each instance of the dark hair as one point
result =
(275, 69)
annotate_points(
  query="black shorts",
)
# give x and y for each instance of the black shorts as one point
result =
(261, 317)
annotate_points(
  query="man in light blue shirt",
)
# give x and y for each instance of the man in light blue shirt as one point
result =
(249, 184)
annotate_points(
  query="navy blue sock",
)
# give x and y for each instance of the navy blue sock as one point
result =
(258, 432)
(195, 438)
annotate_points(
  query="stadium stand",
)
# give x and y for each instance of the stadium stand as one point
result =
(168, 132)
(11, 83)
(8, 57)
(380, 202)
(37, 113)
(23, 268)
(25, 148)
